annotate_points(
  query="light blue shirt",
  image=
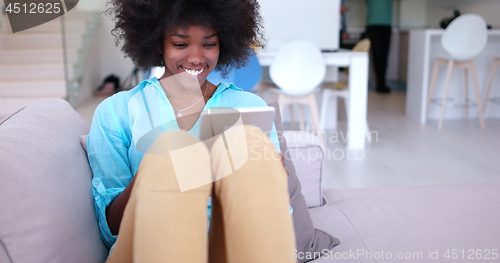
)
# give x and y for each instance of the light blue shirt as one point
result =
(114, 144)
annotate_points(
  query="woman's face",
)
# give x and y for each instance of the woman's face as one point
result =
(190, 55)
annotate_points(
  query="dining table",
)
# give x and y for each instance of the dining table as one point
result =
(358, 90)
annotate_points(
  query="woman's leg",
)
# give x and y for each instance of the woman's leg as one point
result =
(161, 223)
(251, 220)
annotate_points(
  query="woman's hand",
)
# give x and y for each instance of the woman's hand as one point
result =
(114, 212)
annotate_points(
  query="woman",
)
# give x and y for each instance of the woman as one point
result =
(143, 215)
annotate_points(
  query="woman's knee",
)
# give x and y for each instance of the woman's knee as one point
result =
(241, 137)
(239, 146)
(177, 156)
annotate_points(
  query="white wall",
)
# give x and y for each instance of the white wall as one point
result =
(356, 13)
(314, 20)
(412, 14)
(92, 76)
(112, 60)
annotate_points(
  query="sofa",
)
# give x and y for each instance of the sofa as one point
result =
(47, 212)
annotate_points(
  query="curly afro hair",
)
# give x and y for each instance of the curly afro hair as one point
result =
(142, 24)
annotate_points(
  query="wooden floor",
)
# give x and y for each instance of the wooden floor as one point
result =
(403, 152)
(407, 153)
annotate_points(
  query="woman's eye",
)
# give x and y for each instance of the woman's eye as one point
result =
(211, 45)
(179, 45)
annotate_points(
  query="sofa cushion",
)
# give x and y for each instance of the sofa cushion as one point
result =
(419, 220)
(308, 239)
(307, 155)
(46, 208)
(4, 256)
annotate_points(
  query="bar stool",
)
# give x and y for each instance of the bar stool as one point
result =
(495, 100)
(464, 39)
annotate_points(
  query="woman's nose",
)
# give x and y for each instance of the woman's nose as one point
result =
(195, 55)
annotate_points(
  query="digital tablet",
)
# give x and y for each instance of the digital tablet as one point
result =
(217, 120)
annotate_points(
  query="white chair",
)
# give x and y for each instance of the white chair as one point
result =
(297, 70)
(495, 100)
(331, 94)
(464, 39)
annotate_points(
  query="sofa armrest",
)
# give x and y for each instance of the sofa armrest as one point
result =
(307, 156)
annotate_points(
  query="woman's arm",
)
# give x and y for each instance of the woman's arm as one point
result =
(114, 212)
(107, 149)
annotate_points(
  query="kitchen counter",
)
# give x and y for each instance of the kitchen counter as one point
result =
(424, 47)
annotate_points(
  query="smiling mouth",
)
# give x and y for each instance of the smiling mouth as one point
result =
(193, 72)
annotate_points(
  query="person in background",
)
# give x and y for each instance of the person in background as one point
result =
(378, 30)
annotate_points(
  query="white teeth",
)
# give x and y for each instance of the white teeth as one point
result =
(193, 72)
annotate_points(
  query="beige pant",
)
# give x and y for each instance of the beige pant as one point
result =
(250, 219)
